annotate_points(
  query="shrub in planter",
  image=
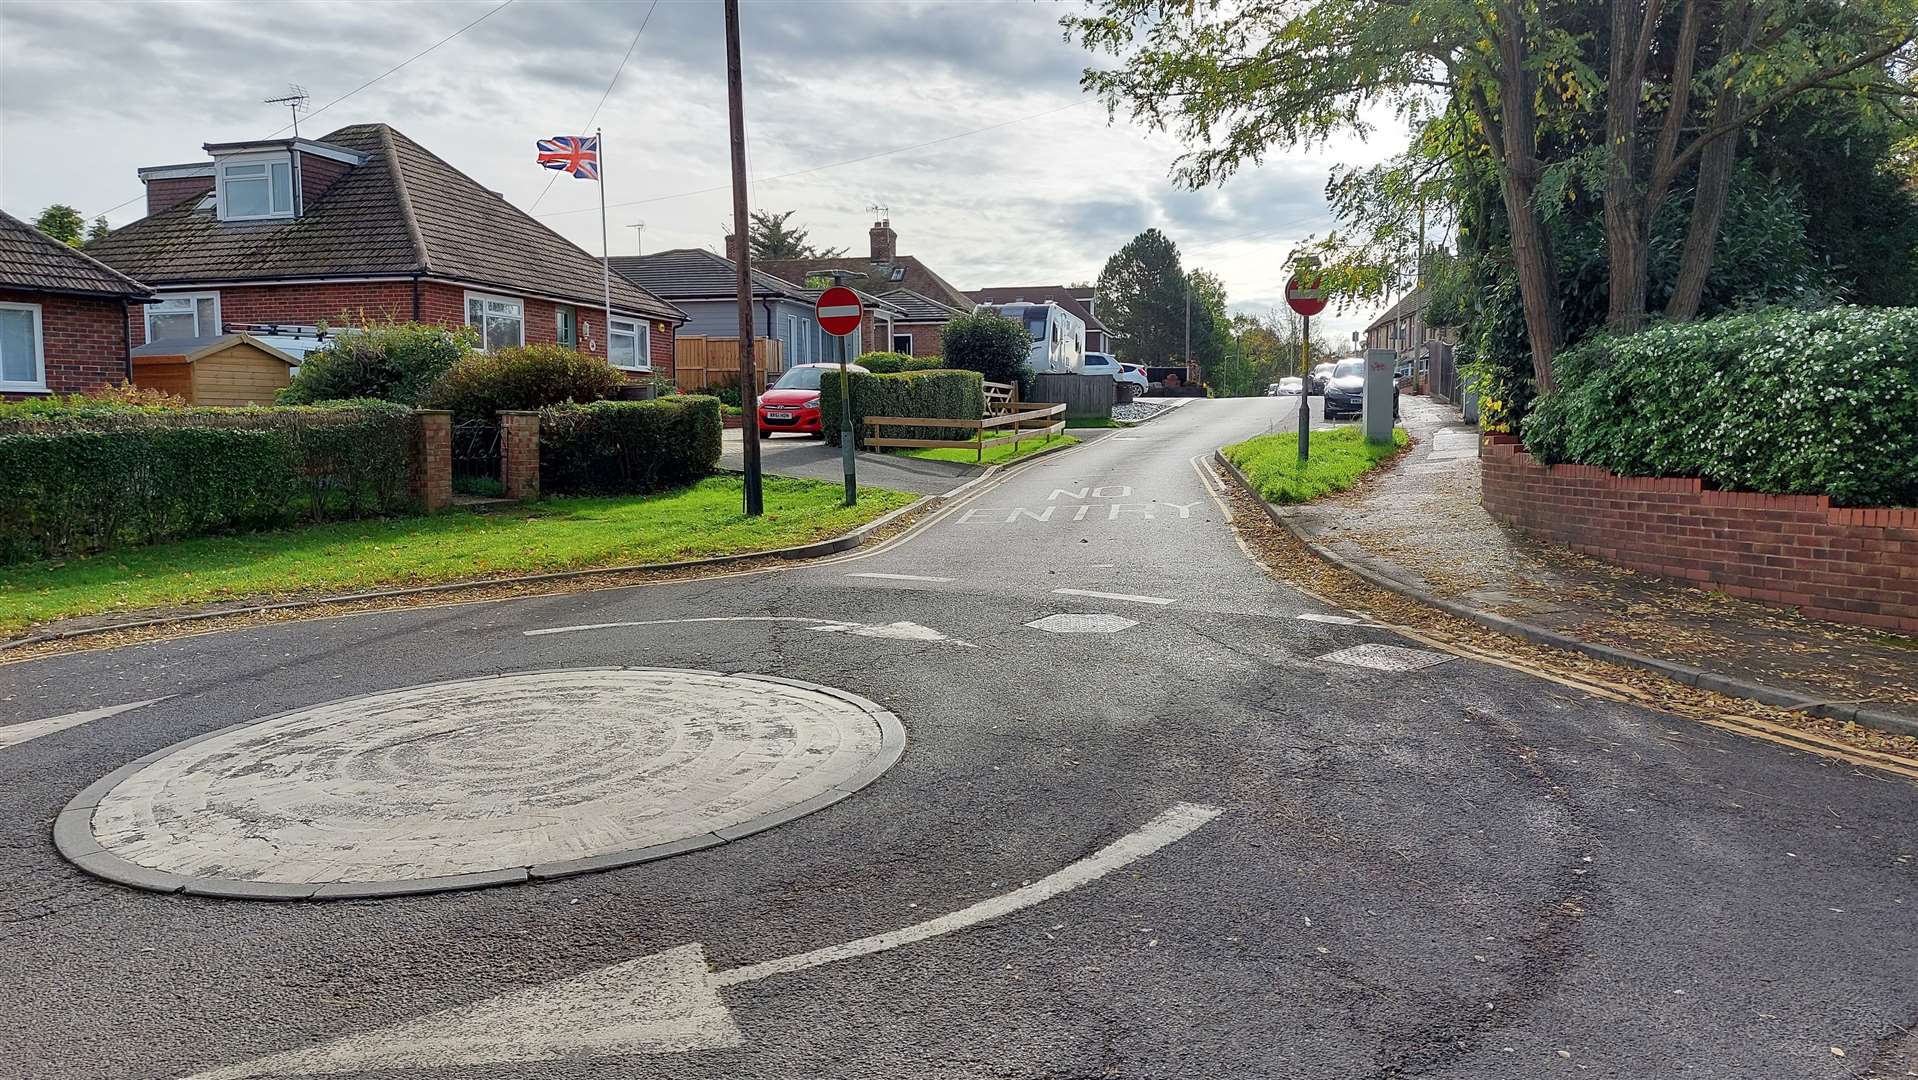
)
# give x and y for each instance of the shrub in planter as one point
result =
(399, 362)
(959, 395)
(528, 377)
(628, 447)
(1782, 401)
(892, 363)
(992, 345)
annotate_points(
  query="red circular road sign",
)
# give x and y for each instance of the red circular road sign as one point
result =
(1307, 297)
(839, 311)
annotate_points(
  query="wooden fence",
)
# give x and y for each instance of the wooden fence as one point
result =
(1083, 395)
(1034, 419)
(699, 362)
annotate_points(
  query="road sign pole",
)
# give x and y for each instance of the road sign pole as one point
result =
(840, 313)
(846, 456)
(1305, 387)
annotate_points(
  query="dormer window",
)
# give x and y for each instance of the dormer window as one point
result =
(253, 186)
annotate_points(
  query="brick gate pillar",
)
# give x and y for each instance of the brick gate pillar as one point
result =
(431, 474)
(519, 454)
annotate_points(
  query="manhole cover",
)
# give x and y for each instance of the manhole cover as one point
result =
(479, 782)
(1082, 624)
(1385, 657)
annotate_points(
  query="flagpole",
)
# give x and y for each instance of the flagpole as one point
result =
(605, 252)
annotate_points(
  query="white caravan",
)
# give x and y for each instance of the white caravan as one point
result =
(1058, 336)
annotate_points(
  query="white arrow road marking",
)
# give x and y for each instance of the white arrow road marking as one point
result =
(901, 577)
(1115, 596)
(666, 1003)
(15, 734)
(904, 631)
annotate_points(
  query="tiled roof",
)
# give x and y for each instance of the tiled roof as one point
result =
(903, 272)
(1039, 294)
(695, 273)
(193, 348)
(921, 308)
(1411, 302)
(33, 261)
(405, 211)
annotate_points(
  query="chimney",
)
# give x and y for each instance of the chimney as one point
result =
(171, 185)
(885, 242)
(732, 248)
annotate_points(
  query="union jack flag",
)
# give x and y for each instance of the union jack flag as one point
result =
(576, 154)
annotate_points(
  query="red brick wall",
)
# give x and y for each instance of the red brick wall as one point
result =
(164, 193)
(83, 342)
(925, 338)
(1848, 565)
(353, 302)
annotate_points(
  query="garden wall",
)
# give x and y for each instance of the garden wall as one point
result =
(1854, 565)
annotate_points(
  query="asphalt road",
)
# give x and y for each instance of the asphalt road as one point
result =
(1460, 871)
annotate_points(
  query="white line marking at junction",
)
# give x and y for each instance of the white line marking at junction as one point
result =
(665, 1003)
(901, 577)
(1342, 620)
(668, 622)
(1115, 596)
(904, 631)
(15, 734)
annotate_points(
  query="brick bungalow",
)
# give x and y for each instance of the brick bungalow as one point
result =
(63, 316)
(883, 273)
(365, 224)
(1078, 301)
(916, 332)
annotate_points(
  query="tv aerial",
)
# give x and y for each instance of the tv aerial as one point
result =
(296, 100)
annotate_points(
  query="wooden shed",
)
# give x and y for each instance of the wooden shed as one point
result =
(228, 369)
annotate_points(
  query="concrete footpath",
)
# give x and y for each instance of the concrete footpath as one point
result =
(1421, 527)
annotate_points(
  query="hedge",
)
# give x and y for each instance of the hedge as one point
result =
(1781, 401)
(88, 480)
(524, 377)
(628, 447)
(959, 395)
(892, 363)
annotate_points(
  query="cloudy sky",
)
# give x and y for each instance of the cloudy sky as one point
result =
(1042, 195)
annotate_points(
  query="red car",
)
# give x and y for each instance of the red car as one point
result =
(793, 402)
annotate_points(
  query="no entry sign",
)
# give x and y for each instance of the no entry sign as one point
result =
(839, 311)
(1306, 297)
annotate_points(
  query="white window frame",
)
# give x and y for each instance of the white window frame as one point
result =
(221, 166)
(486, 298)
(896, 336)
(194, 298)
(39, 382)
(643, 345)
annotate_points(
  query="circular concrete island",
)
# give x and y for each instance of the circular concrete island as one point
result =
(478, 782)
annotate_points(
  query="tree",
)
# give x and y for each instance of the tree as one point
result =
(1506, 86)
(1142, 301)
(400, 362)
(771, 238)
(98, 230)
(62, 222)
(992, 345)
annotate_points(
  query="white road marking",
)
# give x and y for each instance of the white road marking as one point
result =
(15, 734)
(1342, 620)
(901, 577)
(1082, 624)
(668, 622)
(904, 631)
(1385, 657)
(1128, 597)
(664, 1003)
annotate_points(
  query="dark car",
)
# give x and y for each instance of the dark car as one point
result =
(1321, 374)
(1345, 391)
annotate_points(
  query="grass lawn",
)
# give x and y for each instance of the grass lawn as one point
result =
(558, 534)
(1092, 422)
(1339, 457)
(994, 454)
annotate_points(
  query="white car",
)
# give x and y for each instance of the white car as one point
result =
(1290, 386)
(1134, 374)
(1098, 363)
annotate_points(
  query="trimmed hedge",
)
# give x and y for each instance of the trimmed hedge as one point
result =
(1785, 402)
(89, 480)
(628, 447)
(959, 395)
(390, 361)
(528, 377)
(892, 363)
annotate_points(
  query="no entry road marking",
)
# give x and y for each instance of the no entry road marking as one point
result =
(15, 734)
(901, 577)
(1127, 597)
(664, 1003)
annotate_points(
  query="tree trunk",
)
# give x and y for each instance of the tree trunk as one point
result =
(1701, 237)
(1531, 243)
(1625, 214)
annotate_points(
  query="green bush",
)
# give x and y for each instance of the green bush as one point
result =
(727, 395)
(892, 363)
(1778, 401)
(959, 395)
(399, 362)
(992, 345)
(87, 480)
(526, 377)
(628, 447)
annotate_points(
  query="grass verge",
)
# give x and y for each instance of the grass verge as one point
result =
(557, 534)
(1092, 422)
(1339, 457)
(994, 454)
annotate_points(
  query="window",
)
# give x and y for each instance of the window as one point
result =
(789, 339)
(22, 362)
(256, 186)
(501, 320)
(183, 315)
(567, 329)
(902, 343)
(628, 345)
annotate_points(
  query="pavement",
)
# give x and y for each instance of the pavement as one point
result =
(1214, 828)
(1422, 525)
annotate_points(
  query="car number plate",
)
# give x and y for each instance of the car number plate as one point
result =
(770, 415)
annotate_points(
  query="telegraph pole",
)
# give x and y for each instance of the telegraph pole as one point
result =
(748, 377)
